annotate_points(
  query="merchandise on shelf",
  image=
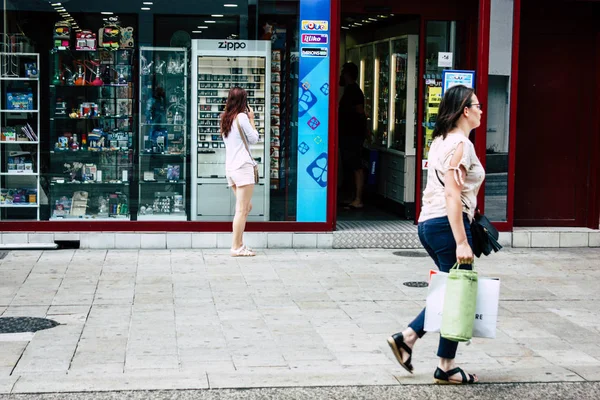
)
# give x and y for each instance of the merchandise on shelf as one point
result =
(62, 35)
(19, 100)
(19, 196)
(85, 40)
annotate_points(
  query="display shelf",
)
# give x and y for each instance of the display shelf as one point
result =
(22, 127)
(93, 156)
(215, 73)
(163, 110)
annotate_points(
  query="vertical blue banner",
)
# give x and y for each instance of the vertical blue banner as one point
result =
(313, 110)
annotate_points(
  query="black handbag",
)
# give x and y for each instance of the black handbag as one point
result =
(484, 234)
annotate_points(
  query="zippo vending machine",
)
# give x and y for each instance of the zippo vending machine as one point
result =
(217, 66)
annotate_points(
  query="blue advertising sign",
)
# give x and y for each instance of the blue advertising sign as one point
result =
(452, 78)
(313, 111)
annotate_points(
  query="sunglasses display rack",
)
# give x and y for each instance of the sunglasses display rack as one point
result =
(216, 68)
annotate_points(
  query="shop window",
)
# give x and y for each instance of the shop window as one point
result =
(116, 117)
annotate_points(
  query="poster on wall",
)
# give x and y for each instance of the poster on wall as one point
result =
(452, 78)
(313, 110)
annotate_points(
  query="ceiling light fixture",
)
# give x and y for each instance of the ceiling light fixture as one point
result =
(106, 12)
(196, 31)
(56, 4)
(146, 8)
(217, 15)
(373, 19)
(202, 27)
(230, 5)
(345, 27)
(147, 3)
(210, 22)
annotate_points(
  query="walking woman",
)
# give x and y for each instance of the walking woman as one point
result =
(239, 131)
(454, 177)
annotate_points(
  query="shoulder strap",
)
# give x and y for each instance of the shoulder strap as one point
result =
(243, 136)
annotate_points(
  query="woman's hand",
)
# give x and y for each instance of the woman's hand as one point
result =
(464, 253)
(250, 113)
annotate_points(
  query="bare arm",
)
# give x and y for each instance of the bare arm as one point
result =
(453, 188)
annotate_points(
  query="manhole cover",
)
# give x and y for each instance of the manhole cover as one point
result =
(410, 254)
(3, 254)
(25, 324)
(416, 284)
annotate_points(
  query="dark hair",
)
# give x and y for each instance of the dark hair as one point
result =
(351, 69)
(236, 104)
(451, 108)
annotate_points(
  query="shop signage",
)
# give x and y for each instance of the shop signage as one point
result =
(315, 38)
(444, 60)
(452, 78)
(311, 25)
(313, 111)
(232, 45)
(315, 52)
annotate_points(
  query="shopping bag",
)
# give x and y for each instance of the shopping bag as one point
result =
(486, 309)
(459, 304)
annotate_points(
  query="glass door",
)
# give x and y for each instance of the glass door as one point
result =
(382, 93)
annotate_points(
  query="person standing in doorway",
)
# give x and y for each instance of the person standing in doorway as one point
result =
(238, 130)
(454, 177)
(352, 128)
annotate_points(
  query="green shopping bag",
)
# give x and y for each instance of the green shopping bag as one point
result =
(458, 315)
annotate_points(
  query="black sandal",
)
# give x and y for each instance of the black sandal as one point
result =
(443, 378)
(396, 343)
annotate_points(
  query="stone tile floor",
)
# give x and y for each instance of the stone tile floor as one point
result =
(192, 319)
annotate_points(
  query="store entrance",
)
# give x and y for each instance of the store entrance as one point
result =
(384, 49)
(401, 84)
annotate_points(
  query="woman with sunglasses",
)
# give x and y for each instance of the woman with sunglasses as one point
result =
(454, 177)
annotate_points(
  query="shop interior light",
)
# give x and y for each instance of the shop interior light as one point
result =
(217, 15)
(62, 9)
(210, 22)
(196, 31)
(106, 12)
(202, 27)
(230, 5)
(56, 4)
(145, 8)
(345, 27)
(373, 19)
(147, 3)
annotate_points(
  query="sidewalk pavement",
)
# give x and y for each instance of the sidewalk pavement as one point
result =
(191, 319)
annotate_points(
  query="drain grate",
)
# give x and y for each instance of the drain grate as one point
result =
(3, 254)
(25, 324)
(416, 284)
(410, 254)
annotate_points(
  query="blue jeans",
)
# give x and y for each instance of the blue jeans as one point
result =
(436, 236)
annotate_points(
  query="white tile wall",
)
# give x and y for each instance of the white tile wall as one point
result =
(304, 240)
(505, 239)
(280, 240)
(14, 238)
(204, 240)
(179, 240)
(545, 239)
(154, 240)
(97, 240)
(594, 239)
(521, 239)
(41, 238)
(224, 240)
(66, 236)
(574, 239)
(256, 240)
(325, 240)
(128, 240)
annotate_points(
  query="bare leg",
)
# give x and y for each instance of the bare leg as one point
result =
(359, 181)
(243, 196)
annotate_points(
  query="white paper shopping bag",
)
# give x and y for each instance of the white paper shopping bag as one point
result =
(435, 301)
(486, 310)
